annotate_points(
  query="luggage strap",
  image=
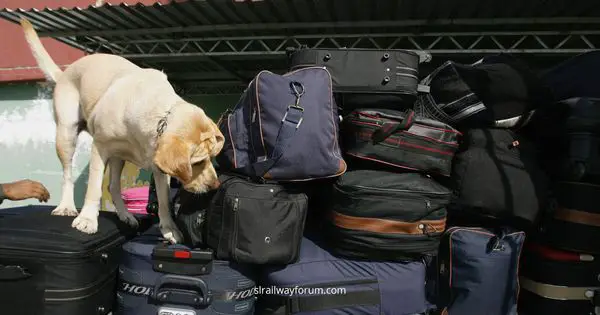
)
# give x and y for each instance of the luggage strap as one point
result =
(561, 293)
(312, 303)
(577, 216)
(291, 121)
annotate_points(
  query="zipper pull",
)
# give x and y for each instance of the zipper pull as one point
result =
(442, 268)
(236, 203)
(427, 204)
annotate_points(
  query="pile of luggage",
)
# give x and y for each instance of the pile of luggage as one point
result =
(349, 186)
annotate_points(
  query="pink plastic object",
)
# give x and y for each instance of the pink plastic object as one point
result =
(136, 199)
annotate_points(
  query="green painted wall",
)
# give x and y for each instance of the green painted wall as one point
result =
(27, 144)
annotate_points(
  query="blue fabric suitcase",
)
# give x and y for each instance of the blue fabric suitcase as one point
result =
(321, 284)
(158, 278)
(478, 271)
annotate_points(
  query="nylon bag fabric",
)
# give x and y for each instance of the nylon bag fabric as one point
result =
(284, 127)
(575, 77)
(496, 174)
(224, 287)
(190, 216)
(498, 91)
(378, 288)
(386, 216)
(256, 223)
(399, 141)
(478, 270)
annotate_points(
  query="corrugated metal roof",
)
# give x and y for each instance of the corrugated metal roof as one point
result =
(211, 36)
(226, 15)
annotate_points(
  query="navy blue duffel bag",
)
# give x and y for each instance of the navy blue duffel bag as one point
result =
(284, 127)
(158, 278)
(478, 271)
(321, 284)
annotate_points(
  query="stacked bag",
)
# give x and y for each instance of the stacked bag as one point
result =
(560, 267)
(349, 187)
(498, 186)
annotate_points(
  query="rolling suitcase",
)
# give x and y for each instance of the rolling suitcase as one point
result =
(556, 282)
(574, 225)
(320, 283)
(158, 278)
(366, 77)
(387, 216)
(49, 268)
(478, 271)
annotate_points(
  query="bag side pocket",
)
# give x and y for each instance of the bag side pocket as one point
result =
(267, 231)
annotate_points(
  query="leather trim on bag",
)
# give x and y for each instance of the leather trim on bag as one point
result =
(387, 226)
(577, 216)
(556, 292)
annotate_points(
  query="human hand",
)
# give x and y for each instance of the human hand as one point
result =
(25, 189)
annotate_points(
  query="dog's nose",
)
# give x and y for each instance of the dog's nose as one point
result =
(215, 184)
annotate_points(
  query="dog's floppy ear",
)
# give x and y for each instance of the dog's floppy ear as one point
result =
(218, 143)
(172, 156)
(214, 140)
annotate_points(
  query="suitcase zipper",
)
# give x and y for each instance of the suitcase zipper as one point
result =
(27, 253)
(407, 75)
(87, 291)
(400, 190)
(236, 202)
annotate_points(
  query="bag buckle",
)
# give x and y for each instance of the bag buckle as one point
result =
(298, 90)
(299, 108)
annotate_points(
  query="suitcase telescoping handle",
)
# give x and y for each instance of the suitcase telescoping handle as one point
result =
(168, 289)
(390, 127)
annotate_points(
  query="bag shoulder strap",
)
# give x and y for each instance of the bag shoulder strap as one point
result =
(291, 121)
(313, 303)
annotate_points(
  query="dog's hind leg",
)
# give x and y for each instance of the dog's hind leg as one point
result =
(67, 118)
(87, 220)
(116, 167)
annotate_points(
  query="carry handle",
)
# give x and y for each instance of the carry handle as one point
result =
(202, 298)
(496, 244)
(13, 273)
(390, 127)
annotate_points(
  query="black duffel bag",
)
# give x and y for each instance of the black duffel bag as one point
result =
(399, 141)
(258, 223)
(496, 175)
(378, 215)
(498, 91)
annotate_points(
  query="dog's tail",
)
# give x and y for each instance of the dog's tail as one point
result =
(44, 61)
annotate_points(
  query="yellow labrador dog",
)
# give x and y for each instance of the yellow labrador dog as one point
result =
(133, 114)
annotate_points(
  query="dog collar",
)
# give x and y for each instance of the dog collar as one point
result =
(162, 124)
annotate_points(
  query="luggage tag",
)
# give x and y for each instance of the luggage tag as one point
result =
(180, 260)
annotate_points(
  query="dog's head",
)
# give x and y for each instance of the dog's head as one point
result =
(185, 151)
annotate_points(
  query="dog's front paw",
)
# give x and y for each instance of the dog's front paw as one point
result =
(68, 211)
(171, 233)
(128, 218)
(85, 224)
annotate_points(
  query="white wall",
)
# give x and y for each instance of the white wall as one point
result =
(27, 142)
